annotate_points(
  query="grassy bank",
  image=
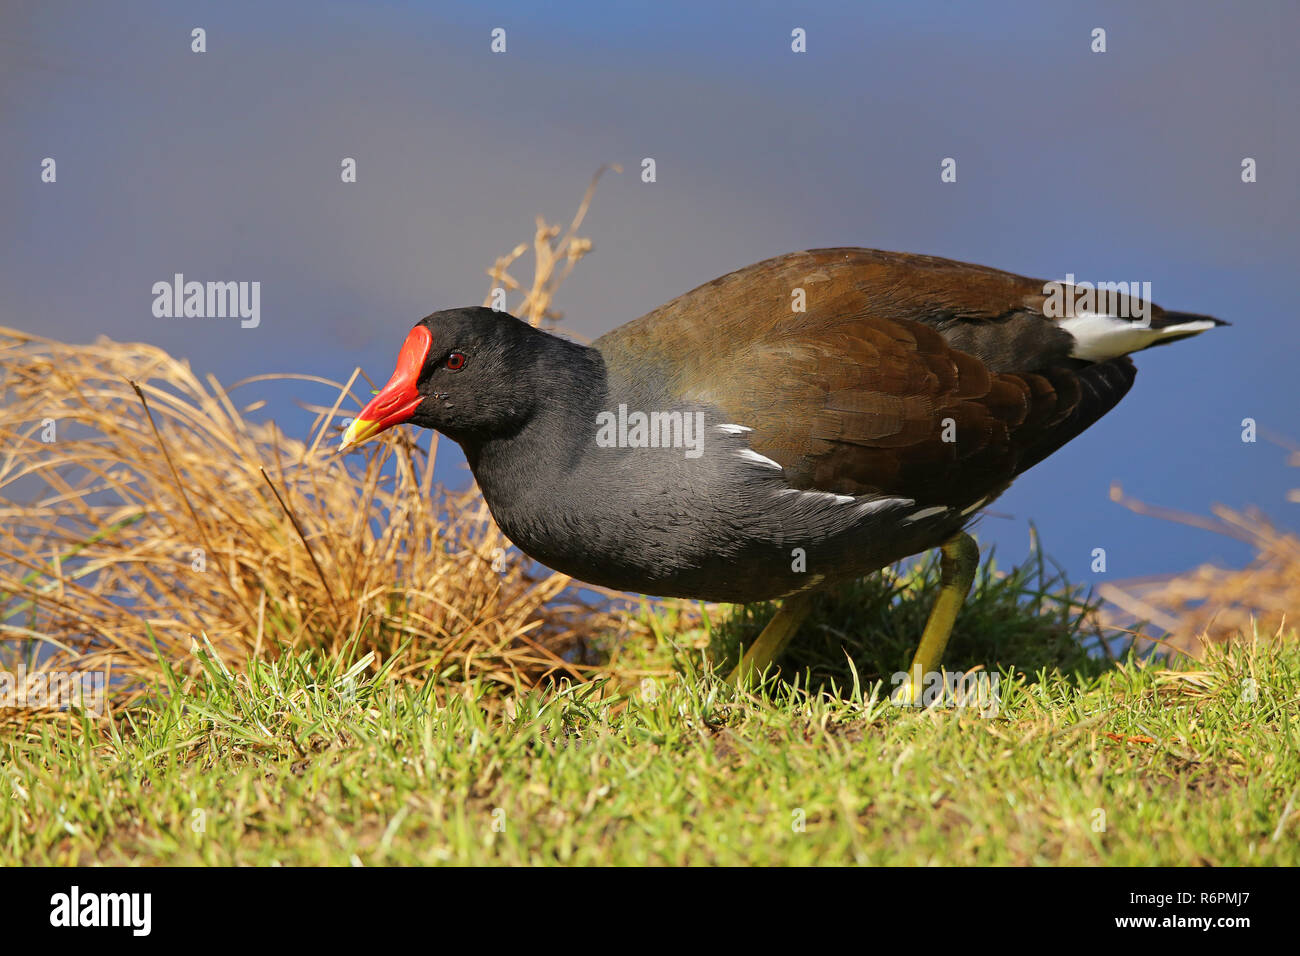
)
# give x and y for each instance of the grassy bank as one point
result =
(305, 762)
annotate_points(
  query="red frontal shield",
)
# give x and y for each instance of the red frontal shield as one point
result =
(397, 400)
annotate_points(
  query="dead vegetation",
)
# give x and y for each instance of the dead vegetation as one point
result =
(1213, 604)
(144, 512)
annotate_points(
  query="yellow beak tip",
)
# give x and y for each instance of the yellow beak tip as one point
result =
(360, 431)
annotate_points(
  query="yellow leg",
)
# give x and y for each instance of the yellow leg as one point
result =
(767, 647)
(959, 558)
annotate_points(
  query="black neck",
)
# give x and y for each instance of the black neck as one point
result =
(568, 385)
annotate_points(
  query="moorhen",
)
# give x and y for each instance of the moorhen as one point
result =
(806, 420)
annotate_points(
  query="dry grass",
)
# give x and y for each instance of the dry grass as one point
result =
(160, 512)
(555, 255)
(1211, 604)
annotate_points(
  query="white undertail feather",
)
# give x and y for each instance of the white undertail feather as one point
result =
(1100, 337)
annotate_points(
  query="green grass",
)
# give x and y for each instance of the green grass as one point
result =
(1029, 618)
(304, 761)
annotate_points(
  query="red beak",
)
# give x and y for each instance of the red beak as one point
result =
(397, 400)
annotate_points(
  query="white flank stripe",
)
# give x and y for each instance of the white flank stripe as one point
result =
(734, 429)
(925, 513)
(838, 499)
(750, 455)
(878, 504)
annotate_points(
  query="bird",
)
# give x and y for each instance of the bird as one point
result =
(800, 422)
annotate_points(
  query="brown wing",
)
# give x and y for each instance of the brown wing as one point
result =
(865, 392)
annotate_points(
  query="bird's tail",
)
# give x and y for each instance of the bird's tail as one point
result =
(1101, 337)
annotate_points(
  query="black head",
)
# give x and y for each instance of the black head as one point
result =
(469, 373)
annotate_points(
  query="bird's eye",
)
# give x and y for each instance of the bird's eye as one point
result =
(455, 361)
